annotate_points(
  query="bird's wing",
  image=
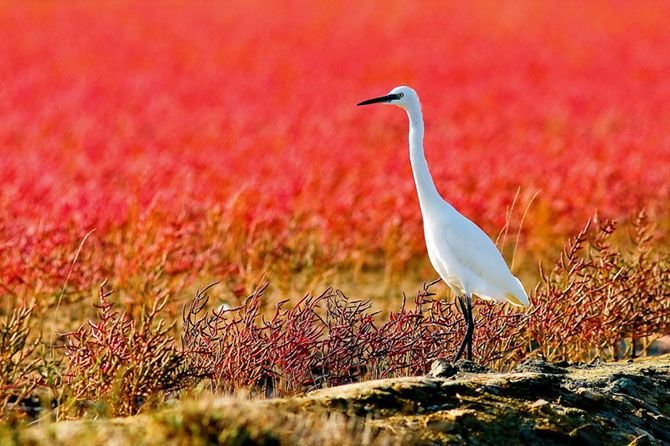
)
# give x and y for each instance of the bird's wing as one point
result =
(472, 248)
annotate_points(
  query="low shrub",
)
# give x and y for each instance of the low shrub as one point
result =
(120, 363)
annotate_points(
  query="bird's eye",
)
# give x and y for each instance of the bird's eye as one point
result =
(400, 95)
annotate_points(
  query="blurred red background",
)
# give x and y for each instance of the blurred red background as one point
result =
(221, 138)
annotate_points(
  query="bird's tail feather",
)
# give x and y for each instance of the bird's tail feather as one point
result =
(519, 296)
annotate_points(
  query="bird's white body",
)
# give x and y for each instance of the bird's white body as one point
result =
(461, 252)
(467, 260)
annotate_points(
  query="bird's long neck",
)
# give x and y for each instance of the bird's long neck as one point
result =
(425, 187)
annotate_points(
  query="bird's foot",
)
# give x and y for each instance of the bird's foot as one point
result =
(468, 366)
(442, 368)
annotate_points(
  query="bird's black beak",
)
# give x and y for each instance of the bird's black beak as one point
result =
(387, 98)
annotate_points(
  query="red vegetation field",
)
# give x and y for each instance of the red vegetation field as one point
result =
(223, 139)
(161, 146)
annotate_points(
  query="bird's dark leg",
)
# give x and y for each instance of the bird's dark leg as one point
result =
(464, 309)
(471, 326)
(465, 304)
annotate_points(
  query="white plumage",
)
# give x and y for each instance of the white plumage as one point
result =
(461, 253)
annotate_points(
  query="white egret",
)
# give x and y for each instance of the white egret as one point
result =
(462, 254)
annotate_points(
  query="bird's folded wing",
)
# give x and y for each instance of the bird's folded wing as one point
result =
(464, 242)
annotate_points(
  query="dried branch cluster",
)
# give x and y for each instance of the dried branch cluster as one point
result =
(595, 301)
(121, 361)
(596, 297)
(17, 364)
(331, 339)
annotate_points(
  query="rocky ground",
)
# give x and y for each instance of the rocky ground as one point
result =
(623, 403)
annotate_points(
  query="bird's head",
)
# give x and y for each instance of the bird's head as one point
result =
(403, 97)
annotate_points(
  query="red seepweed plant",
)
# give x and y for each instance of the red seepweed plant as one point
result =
(599, 299)
(330, 339)
(596, 297)
(120, 361)
(219, 159)
(199, 152)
